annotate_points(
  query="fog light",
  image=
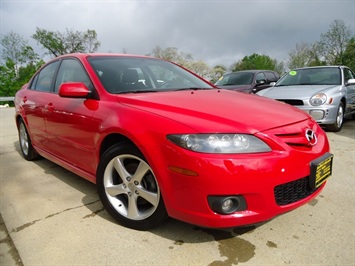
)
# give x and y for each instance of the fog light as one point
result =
(227, 204)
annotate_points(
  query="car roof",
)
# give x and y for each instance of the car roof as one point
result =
(84, 55)
(329, 66)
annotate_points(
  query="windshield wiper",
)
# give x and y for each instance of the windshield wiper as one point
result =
(136, 91)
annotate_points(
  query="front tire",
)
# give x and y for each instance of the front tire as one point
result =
(128, 189)
(336, 127)
(28, 152)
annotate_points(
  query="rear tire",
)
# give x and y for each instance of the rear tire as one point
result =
(336, 127)
(28, 152)
(128, 189)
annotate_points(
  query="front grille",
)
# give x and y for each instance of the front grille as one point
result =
(293, 191)
(291, 101)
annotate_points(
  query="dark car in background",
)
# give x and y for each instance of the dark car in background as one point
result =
(248, 81)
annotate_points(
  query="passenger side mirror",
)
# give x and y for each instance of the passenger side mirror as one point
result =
(74, 90)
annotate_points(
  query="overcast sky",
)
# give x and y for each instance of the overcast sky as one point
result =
(217, 32)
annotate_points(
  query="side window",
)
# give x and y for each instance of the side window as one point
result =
(44, 80)
(71, 70)
(348, 74)
(259, 77)
(270, 77)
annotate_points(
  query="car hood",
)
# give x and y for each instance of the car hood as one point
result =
(295, 92)
(216, 110)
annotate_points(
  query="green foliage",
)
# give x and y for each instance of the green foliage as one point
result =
(57, 43)
(21, 62)
(217, 72)
(333, 48)
(256, 61)
(11, 80)
(8, 79)
(349, 54)
(333, 43)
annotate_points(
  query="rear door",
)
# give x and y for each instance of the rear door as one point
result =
(34, 102)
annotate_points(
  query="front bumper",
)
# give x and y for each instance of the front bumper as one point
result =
(258, 178)
(321, 114)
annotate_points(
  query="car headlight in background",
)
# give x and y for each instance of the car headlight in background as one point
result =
(318, 99)
(220, 143)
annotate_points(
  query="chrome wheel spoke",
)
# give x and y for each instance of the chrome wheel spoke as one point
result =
(151, 197)
(132, 210)
(115, 190)
(142, 169)
(121, 169)
(23, 139)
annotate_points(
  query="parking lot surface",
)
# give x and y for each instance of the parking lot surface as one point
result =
(50, 216)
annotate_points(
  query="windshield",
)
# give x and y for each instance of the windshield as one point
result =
(312, 76)
(129, 74)
(240, 78)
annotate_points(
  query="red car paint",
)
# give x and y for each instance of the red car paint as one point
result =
(74, 131)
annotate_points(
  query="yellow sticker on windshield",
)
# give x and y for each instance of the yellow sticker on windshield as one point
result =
(293, 73)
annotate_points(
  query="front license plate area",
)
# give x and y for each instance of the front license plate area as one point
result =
(321, 170)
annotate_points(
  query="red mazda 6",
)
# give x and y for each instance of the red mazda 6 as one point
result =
(159, 141)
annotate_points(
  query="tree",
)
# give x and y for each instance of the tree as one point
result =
(349, 54)
(256, 61)
(173, 54)
(17, 50)
(300, 56)
(69, 42)
(200, 68)
(91, 42)
(333, 43)
(304, 55)
(217, 72)
(21, 62)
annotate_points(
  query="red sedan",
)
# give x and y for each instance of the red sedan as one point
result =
(159, 141)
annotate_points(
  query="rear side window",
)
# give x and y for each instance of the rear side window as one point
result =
(259, 77)
(271, 77)
(44, 79)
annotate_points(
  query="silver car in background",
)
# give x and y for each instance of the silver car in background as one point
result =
(327, 93)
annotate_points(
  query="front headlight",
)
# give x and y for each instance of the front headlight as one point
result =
(318, 99)
(220, 143)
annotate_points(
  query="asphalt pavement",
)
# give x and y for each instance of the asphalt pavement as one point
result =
(50, 216)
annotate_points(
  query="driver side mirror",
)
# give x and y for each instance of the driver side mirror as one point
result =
(350, 82)
(260, 82)
(73, 90)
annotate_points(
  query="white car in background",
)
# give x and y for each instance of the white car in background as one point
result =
(327, 93)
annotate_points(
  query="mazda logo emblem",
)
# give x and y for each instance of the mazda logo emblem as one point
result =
(311, 137)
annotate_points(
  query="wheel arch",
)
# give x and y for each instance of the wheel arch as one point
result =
(18, 118)
(113, 139)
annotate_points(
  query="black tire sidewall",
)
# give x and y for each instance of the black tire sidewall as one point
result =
(32, 153)
(335, 127)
